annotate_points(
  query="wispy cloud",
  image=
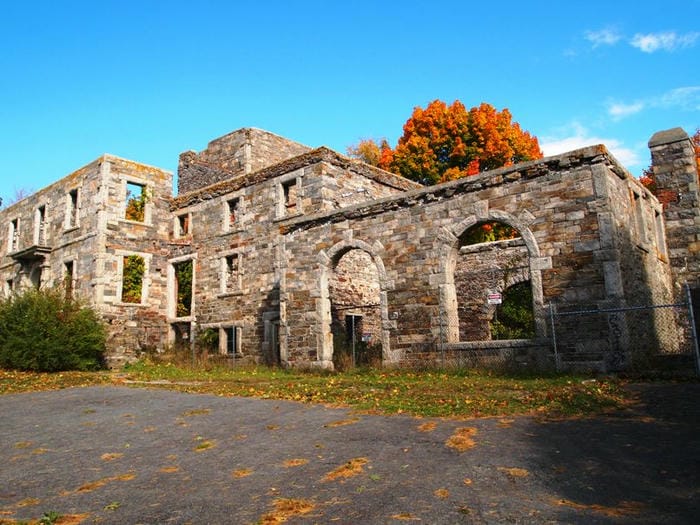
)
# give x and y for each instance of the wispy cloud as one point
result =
(604, 37)
(619, 111)
(665, 41)
(685, 98)
(576, 136)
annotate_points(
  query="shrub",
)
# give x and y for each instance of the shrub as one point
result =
(45, 331)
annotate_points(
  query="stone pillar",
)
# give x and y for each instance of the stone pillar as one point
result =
(676, 172)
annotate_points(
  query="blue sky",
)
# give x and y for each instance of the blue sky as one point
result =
(149, 79)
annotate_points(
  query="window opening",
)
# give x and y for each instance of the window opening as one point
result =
(72, 215)
(136, 199)
(9, 287)
(41, 226)
(183, 225)
(68, 276)
(290, 191)
(183, 288)
(231, 340)
(232, 278)
(14, 235)
(134, 268)
(232, 213)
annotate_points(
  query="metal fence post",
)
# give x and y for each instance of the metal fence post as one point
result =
(693, 332)
(554, 337)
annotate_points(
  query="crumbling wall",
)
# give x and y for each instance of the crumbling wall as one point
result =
(238, 153)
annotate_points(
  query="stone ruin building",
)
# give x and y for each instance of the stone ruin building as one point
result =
(281, 254)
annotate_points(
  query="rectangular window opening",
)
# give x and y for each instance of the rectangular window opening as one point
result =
(72, 212)
(232, 278)
(639, 217)
(134, 269)
(183, 225)
(136, 200)
(232, 213)
(69, 278)
(231, 341)
(9, 287)
(290, 191)
(41, 226)
(183, 288)
(14, 235)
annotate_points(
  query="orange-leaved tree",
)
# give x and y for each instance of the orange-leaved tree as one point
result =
(442, 143)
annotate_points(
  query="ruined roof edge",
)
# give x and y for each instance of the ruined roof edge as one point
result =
(529, 169)
(322, 154)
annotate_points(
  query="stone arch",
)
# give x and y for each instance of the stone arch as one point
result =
(327, 262)
(449, 240)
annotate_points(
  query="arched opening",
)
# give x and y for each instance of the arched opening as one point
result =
(356, 309)
(492, 283)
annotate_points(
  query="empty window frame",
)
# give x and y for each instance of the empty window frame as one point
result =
(133, 273)
(9, 287)
(290, 193)
(40, 226)
(72, 209)
(13, 234)
(183, 276)
(289, 197)
(231, 273)
(233, 209)
(183, 225)
(136, 201)
(230, 340)
(69, 278)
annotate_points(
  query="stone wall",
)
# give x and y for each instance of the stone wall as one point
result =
(92, 243)
(238, 153)
(249, 298)
(676, 172)
(561, 206)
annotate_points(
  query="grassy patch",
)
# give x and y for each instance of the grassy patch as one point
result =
(448, 393)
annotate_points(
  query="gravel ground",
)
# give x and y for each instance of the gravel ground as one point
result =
(146, 456)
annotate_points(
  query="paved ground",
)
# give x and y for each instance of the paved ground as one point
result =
(128, 456)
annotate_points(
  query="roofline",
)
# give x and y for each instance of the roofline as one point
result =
(322, 154)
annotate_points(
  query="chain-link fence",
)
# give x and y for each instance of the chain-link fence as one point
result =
(641, 338)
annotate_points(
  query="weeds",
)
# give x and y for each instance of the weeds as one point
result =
(457, 393)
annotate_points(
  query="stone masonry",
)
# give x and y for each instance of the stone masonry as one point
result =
(287, 246)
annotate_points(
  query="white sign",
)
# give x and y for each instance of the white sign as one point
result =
(494, 298)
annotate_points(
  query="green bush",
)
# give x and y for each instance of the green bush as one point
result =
(45, 331)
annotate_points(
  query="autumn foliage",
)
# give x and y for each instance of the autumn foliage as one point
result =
(442, 143)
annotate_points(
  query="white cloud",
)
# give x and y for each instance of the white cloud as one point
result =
(576, 136)
(619, 111)
(687, 98)
(666, 41)
(604, 37)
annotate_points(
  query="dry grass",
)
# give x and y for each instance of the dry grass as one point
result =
(287, 508)
(298, 462)
(348, 470)
(462, 440)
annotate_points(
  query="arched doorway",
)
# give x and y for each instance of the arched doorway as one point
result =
(356, 323)
(353, 306)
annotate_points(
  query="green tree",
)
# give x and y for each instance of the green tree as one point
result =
(45, 331)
